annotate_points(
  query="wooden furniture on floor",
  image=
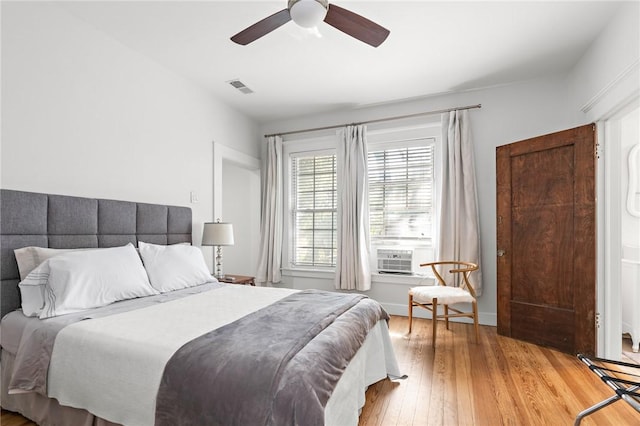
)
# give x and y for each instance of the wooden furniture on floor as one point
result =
(237, 279)
(428, 297)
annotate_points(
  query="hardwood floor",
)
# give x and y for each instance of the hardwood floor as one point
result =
(11, 419)
(499, 381)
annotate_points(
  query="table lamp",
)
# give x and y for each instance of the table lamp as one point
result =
(218, 234)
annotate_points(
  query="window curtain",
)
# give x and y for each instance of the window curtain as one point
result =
(270, 253)
(459, 230)
(352, 262)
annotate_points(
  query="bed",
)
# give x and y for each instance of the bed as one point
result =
(169, 353)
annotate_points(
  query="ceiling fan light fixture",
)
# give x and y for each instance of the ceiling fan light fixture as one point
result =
(308, 13)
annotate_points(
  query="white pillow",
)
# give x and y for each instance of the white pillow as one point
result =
(29, 258)
(88, 279)
(174, 267)
(32, 290)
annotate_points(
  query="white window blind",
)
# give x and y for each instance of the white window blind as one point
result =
(314, 209)
(401, 193)
(401, 197)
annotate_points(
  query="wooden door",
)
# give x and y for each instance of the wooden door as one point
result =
(546, 240)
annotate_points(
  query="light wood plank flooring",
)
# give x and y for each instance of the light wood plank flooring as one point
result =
(499, 381)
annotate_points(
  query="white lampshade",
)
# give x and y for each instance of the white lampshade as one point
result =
(308, 13)
(217, 234)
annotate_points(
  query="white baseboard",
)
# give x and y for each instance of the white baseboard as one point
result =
(484, 318)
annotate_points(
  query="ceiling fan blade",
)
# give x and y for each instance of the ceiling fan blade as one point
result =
(261, 28)
(356, 25)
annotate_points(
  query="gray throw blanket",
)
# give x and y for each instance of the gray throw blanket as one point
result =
(276, 366)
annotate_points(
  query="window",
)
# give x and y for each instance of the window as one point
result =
(313, 180)
(401, 191)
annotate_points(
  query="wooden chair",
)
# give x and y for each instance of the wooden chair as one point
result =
(428, 297)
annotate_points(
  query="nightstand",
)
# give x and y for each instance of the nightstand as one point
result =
(237, 279)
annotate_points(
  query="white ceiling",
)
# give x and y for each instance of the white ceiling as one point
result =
(434, 47)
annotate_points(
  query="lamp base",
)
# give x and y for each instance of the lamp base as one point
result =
(219, 275)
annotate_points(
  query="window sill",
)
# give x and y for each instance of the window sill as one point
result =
(308, 273)
(410, 280)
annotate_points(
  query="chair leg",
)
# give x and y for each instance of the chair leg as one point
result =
(410, 311)
(475, 318)
(434, 320)
(446, 316)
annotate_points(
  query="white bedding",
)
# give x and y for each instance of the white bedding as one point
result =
(132, 349)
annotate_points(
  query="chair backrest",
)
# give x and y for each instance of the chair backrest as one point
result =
(458, 267)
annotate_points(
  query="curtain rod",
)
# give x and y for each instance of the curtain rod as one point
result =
(379, 120)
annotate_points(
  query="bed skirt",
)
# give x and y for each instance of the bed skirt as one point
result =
(40, 409)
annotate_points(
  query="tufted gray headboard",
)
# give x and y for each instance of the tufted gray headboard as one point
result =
(59, 221)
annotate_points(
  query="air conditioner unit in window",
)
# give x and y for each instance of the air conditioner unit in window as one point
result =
(391, 261)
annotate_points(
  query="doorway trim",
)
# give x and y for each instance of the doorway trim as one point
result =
(609, 233)
(609, 295)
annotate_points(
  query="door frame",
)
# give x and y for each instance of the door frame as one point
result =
(609, 237)
(608, 296)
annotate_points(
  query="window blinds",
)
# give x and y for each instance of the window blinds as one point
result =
(314, 210)
(401, 192)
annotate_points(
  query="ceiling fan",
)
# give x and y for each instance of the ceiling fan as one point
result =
(309, 13)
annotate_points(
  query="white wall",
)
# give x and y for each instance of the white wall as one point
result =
(84, 115)
(509, 114)
(608, 75)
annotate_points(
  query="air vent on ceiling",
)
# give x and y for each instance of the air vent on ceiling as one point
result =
(240, 86)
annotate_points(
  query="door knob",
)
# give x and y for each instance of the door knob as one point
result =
(500, 253)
